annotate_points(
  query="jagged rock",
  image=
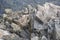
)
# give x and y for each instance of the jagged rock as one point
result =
(24, 20)
(8, 11)
(15, 27)
(32, 35)
(3, 33)
(4, 15)
(16, 17)
(12, 37)
(30, 9)
(2, 26)
(46, 12)
(57, 26)
(45, 16)
(34, 38)
(43, 38)
(38, 26)
(25, 34)
(25, 11)
(45, 23)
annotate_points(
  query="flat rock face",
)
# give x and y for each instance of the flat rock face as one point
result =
(40, 23)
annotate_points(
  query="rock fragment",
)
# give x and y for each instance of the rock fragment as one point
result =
(3, 33)
(24, 20)
(46, 12)
(12, 37)
(8, 10)
(15, 27)
(43, 38)
(34, 38)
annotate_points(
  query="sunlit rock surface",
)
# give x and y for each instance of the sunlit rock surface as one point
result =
(32, 23)
(47, 21)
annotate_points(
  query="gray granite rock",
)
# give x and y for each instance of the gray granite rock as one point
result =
(34, 38)
(41, 23)
(43, 38)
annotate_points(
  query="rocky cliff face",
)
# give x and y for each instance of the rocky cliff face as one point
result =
(40, 23)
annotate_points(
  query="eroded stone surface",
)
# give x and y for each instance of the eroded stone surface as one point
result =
(41, 23)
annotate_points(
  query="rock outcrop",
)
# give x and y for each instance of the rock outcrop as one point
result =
(40, 23)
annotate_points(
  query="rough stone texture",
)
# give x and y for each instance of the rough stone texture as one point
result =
(34, 38)
(43, 38)
(24, 20)
(40, 23)
(15, 27)
(47, 21)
